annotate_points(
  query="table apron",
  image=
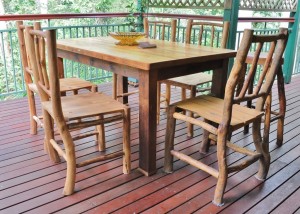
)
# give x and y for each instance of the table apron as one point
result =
(163, 73)
(100, 63)
(176, 71)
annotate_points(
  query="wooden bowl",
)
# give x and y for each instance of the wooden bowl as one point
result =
(127, 38)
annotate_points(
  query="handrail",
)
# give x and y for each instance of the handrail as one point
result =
(220, 18)
(61, 16)
(162, 15)
(184, 16)
(264, 19)
(11, 61)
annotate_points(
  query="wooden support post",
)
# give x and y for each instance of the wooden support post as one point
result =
(291, 47)
(231, 13)
(140, 9)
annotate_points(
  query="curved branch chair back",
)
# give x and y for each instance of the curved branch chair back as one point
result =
(278, 115)
(67, 84)
(74, 112)
(230, 115)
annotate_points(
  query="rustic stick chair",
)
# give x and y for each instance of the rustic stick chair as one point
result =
(277, 115)
(229, 115)
(159, 31)
(72, 112)
(67, 84)
(190, 82)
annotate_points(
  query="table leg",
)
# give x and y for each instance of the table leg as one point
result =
(122, 88)
(60, 66)
(219, 80)
(147, 122)
(61, 74)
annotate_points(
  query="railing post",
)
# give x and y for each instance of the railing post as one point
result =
(289, 56)
(231, 13)
(141, 10)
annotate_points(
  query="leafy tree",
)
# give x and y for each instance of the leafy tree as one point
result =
(270, 25)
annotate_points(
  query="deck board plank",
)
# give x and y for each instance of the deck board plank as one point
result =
(29, 182)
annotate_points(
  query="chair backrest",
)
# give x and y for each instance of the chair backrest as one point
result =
(214, 34)
(260, 92)
(160, 29)
(28, 73)
(41, 49)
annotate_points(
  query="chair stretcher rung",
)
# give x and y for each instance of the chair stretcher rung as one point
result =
(244, 164)
(128, 94)
(194, 121)
(78, 137)
(37, 119)
(163, 100)
(276, 118)
(95, 122)
(58, 149)
(203, 89)
(235, 147)
(241, 150)
(100, 158)
(196, 163)
(275, 112)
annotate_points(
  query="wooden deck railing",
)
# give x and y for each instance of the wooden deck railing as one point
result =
(96, 24)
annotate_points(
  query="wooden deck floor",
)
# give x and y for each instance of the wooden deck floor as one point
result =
(30, 183)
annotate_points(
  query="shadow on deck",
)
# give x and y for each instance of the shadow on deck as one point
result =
(29, 182)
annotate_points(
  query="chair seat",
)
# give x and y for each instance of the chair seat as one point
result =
(86, 105)
(74, 83)
(190, 80)
(211, 108)
(68, 84)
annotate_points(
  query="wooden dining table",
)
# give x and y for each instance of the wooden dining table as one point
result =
(167, 60)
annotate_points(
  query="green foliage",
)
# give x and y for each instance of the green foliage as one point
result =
(104, 5)
(20, 6)
(263, 25)
(132, 20)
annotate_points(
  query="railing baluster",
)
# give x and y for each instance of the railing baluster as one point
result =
(12, 60)
(4, 62)
(12, 81)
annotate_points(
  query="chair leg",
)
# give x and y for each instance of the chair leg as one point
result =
(94, 89)
(262, 146)
(223, 172)
(71, 175)
(115, 86)
(168, 94)
(32, 112)
(100, 137)
(70, 158)
(169, 140)
(205, 143)
(183, 97)
(249, 103)
(282, 107)
(191, 114)
(49, 134)
(126, 142)
(158, 102)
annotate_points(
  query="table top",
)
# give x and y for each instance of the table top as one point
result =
(166, 54)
